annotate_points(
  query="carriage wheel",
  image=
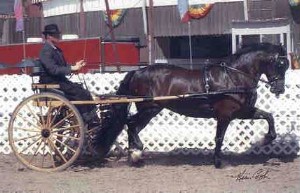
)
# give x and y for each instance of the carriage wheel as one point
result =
(46, 132)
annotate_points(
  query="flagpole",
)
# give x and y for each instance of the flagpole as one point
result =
(24, 44)
(19, 16)
(144, 5)
(82, 21)
(23, 32)
(190, 45)
(150, 31)
(112, 35)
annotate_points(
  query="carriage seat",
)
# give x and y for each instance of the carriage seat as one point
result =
(37, 70)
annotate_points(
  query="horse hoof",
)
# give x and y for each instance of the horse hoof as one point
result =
(218, 163)
(135, 156)
(100, 153)
(268, 140)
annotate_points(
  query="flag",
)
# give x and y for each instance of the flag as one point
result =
(294, 3)
(183, 8)
(18, 9)
(116, 16)
(199, 11)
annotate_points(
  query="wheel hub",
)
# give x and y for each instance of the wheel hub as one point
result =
(45, 133)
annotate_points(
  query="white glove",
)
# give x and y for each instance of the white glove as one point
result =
(78, 65)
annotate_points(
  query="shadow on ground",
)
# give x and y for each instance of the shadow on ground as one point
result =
(201, 157)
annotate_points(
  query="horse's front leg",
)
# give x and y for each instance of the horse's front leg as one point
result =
(271, 135)
(221, 129)
(256, 113)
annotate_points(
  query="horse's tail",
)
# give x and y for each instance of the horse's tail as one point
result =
(113, 123)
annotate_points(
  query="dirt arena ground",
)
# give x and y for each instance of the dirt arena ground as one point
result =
(159, 174)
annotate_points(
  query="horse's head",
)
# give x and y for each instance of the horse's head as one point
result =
(265, 58)
(275, 70)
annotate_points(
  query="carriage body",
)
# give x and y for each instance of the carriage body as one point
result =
(54, 129)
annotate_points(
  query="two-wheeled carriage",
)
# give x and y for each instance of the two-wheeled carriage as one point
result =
(46, 130)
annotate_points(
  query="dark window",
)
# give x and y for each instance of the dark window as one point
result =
(249, 39)
(202, 46)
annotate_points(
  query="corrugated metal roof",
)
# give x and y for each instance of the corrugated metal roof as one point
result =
(218, 21)
(261, 23)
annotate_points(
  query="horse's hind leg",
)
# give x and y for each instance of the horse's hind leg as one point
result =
(135, 124)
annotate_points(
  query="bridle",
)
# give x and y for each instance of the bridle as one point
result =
(278, 60)
(280, 64)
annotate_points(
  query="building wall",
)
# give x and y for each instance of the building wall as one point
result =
(131, 26)
(268, 9)
(166, 22)
(218, 21)
(8, 34)
(32, 22)
(6, 7)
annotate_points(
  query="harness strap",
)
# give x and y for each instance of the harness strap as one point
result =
(206, 79)
(223, 64)
(224, 92)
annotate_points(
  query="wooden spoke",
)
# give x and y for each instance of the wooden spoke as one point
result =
(48, 120)
(68, 133)
(51, 155)
(31, 145)
(68, 116)
(59, 135)
(41, 113)
(44, 149)
(24, 138)
(29, 130)
(92, 130)
(34, 115)
(35, 153)
(74, 151)
(58, 110)
(64, 129)
(57, 150)
(25, 120)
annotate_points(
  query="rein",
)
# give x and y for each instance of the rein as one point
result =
(235, 90)
(223, 64)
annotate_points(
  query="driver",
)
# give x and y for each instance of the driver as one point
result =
(56, 69)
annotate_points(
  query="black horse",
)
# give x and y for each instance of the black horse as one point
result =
(223, 91)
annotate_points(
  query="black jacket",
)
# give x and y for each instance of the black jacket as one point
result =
(54, 65)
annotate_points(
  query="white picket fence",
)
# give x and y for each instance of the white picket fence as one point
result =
(173, 133)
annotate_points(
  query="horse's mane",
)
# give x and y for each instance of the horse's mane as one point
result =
(266, 47)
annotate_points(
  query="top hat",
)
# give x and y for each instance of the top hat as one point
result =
(51, 29)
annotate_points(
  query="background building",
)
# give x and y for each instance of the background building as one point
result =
(228, 25)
